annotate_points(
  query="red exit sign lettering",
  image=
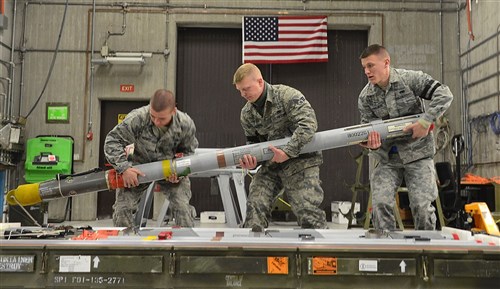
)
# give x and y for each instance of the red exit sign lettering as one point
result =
(126, 88)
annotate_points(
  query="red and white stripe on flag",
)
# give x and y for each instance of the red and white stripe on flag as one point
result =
(285, 39)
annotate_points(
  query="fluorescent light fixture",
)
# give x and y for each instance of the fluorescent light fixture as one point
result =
(125, 60)
(99, 61)
(133, 54)
(119, 60)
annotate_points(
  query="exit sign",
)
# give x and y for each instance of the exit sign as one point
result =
(126, 88)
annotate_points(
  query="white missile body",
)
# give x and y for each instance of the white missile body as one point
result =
(212, 159)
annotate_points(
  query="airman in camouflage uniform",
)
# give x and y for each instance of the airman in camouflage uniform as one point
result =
(274, 112)
(394, 93)
(156, 132)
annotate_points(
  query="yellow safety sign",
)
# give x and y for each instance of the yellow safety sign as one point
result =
(121, 117)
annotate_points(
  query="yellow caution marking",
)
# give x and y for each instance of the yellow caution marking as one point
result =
(167, 168)
(150, 238)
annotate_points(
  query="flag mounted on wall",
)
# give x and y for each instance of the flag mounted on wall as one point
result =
(285, 39)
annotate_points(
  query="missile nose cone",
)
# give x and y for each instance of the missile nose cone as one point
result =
(24, 195)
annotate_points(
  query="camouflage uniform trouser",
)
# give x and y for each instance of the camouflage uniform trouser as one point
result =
(303, 190)
(420, 178)
(127, 201)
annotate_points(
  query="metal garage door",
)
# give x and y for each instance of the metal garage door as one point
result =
(207, 59)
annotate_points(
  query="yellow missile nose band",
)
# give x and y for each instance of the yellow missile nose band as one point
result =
(166, 165)
(24, 195)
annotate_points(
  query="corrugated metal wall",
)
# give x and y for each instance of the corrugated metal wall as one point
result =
(211, 55)
(208, 57)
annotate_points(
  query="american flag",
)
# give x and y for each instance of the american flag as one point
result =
(285, 39)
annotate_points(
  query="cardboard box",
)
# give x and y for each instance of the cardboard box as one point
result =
(213, 217)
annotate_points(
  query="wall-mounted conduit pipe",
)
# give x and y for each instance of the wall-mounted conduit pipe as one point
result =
(124, 24)
(12, 71)
(89, 134)
(203, 8)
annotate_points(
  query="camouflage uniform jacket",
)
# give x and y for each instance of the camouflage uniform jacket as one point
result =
(287, 113)
(405, 94)
(150, 146)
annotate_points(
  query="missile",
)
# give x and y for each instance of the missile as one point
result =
(68, 186)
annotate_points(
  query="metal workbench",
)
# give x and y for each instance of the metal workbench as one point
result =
(239, 258)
